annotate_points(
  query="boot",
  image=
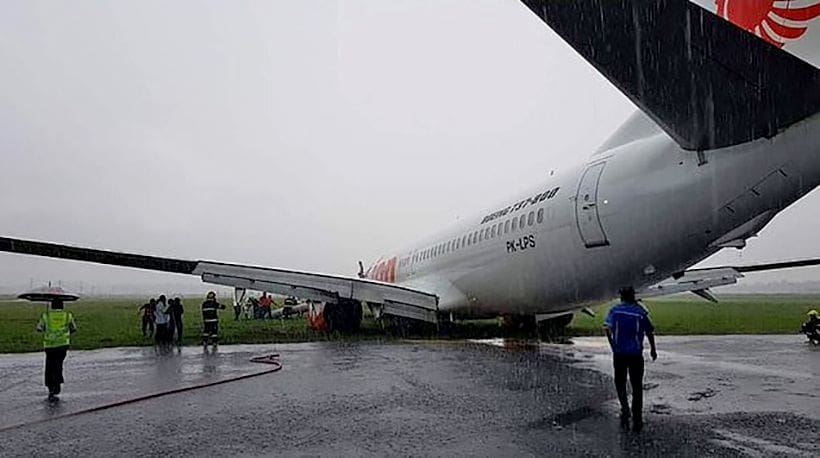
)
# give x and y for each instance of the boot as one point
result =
(625, 419)
(637, 423)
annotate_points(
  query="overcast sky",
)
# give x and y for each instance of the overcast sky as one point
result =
(297, 134)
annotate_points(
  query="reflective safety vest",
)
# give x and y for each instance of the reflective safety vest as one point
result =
(57, 332)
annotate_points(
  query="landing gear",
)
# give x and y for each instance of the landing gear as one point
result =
(553, 327)
(520, 323)
(344, 316)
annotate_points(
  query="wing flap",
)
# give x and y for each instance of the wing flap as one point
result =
(314, 286)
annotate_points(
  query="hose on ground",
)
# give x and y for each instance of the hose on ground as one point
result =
(272, 360)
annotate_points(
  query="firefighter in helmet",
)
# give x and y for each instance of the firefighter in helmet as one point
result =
(210, 319)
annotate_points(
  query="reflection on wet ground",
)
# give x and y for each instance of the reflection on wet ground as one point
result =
(422, 398)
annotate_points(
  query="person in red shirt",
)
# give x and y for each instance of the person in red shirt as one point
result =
(265, 303)
(148, 317)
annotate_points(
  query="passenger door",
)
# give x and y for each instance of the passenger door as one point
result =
(586, 207)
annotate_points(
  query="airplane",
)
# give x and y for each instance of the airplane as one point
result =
(727, 135)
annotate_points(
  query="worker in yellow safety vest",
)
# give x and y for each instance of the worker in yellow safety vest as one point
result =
(57, 325)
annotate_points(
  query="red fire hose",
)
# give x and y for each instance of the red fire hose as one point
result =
(268, 359)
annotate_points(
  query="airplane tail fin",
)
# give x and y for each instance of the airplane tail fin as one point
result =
(704, 81)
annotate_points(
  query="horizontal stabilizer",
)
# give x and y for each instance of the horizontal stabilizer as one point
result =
(699, 281)
(705, 82)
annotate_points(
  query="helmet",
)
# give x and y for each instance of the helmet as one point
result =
(812, 313)
(211, 295)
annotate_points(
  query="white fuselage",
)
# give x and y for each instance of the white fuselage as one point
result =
(638, 211)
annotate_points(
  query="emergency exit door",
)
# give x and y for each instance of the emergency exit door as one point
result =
(586, 207)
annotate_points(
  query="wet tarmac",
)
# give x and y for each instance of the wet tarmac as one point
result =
(725, 396)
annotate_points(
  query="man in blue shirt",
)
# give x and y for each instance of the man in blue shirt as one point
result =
(626, 324)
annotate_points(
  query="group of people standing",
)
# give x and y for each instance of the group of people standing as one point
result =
(256, 308)
(162, 319)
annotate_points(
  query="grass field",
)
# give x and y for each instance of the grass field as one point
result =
(741, 314)
(115, 322)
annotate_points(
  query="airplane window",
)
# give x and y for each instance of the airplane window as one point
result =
(447, 250)
(475, 237)
(514, 224)
(521, 221)
(530, 218)
(463, 240)
(507, 226)
(492, 232)
(540, 215)
(480, 235)
(469, 239)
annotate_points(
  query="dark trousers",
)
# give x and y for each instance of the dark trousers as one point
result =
(147, 324)
(236, 311)
(178, 325)
(210, 331)
(163, 334)
(54, 368)
(633, 365)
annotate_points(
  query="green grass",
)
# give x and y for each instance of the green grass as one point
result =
(740, 314)
(115, 322)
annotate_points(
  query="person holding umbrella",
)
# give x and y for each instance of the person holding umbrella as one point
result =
(57, 325)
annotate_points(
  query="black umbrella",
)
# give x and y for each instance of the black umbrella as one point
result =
(48, 294)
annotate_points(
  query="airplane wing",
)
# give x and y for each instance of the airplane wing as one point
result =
(699, 281)
(703, 80)
(394, 299)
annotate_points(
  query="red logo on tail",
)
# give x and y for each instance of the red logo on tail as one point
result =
(777, 22)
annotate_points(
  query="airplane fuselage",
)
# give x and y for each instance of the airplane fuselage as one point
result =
(636, 212)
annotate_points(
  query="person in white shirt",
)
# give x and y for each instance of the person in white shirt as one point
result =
(162, 320)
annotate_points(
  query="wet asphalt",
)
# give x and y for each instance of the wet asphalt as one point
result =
(721, 396)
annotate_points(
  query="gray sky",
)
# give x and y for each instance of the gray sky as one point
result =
(303, 134)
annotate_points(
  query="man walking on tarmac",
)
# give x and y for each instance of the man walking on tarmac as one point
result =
(57, 325)
(626, 324)
(210, 319)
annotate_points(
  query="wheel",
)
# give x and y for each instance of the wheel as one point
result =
(344, 316)
(406, 327)
(552, 328)
(520, 323)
